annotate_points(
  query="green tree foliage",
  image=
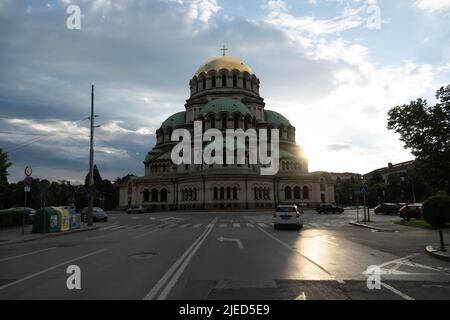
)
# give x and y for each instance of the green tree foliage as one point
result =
(436, 210)
(4, 165)
(426, 131)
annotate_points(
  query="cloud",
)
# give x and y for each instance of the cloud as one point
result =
(338, 147)
(433, 5)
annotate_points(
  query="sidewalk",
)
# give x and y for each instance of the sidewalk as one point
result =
(14, 235)
(378, 222)
(435, 252)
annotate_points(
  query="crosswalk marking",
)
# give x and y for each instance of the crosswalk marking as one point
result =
(174, 225)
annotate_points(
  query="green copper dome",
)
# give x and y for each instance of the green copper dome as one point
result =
(224, 105)
(174, 120)
(276, 119)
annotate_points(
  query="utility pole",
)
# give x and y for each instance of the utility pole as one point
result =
(91, 163)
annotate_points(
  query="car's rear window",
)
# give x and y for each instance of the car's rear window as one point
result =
(286, 209)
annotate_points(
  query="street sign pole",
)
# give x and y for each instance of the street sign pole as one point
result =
(26, 188)
(91, 162)
(24, 212)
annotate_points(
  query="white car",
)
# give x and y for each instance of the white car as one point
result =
(287, 215)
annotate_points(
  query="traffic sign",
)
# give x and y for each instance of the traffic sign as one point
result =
(27, 189)
(27, 181)
(28, 171)
(364, 190)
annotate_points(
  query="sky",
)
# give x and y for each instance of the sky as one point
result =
(333, 67)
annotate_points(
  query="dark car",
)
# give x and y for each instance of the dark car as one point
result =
(411, 211)
(97, 214)
(387, 208)
(329, 208)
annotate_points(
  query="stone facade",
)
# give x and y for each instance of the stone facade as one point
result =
(225, 95)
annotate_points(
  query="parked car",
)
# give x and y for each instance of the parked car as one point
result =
(137, 209)
(97, 214)
(411, 211)
(287, 215)
(387, 208)
(329, 208)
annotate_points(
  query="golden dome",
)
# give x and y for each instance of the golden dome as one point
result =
(224, 62)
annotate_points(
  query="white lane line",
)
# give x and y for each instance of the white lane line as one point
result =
(51, 268)
(196, 225)
(145, 233)
(223, 225)
(177, 268)
(250, 225)
(25, 254)
(397, 292)
(262, 225)
(236, 225)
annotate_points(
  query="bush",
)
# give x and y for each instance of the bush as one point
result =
(13, 218)
(436, 210)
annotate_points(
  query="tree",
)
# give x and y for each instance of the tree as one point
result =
(436, 211)
(426, 131)
(4, 187)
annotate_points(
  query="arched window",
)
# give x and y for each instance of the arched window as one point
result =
(224, 121)
(190, 195)
(305, 192)
(164, 195)
(146, 195)
(235, 193)
(322, 186)
(212, 121)
(296, 192)
(234, 81)
(260, 196)
(245, 82)
(287, 193)
(154, 195)
(222, 191)
(256, 193)
(213, 81)
(228, 193)
(224, 80)
(215, 193)
(236, 121)
(195, 194)
(196, 86)
(204, 83)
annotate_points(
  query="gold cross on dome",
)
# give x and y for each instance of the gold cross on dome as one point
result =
(223, 49)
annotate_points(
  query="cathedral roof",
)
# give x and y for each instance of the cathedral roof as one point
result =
(276, 119)
(174, 120)
(224, 105)
(225, 62)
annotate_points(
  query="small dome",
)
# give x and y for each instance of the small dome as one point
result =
(224, 105)
(174, 120)
(226, 62)
(276, 119)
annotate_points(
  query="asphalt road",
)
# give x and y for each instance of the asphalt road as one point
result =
(226, 256)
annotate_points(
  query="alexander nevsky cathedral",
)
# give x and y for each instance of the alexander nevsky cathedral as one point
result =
(225, 94)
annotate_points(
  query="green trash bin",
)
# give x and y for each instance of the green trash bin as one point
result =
(46, 220)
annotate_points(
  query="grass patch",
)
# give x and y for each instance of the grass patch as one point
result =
(419, 223)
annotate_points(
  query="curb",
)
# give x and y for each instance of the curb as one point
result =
(48, 235)
(371, 227)
(437, 253)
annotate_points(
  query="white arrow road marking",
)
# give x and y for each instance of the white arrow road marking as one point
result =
(238, 241)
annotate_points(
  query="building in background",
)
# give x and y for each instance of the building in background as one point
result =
(399, 168)
(225, 94)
